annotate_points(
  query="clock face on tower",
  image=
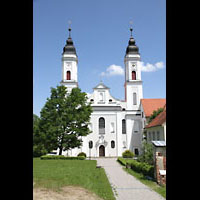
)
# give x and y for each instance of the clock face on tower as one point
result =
(133, 66)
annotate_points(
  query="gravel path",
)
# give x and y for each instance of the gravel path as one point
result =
(125, 186)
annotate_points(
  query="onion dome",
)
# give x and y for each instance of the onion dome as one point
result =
(69, 47)
(132, 48)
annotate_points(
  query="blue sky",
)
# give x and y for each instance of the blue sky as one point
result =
(100, 32)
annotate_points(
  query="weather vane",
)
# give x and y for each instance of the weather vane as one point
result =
(131, 28)
(69, 22)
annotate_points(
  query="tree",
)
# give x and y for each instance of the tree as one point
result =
(38, 138)
(147, 153)
(155, 114)
(65, 118)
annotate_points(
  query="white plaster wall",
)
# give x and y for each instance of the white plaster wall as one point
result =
(131, 88)
(72, 67)
(110, 117)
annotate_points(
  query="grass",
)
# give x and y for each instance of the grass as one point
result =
(54, 174)
(152, 184)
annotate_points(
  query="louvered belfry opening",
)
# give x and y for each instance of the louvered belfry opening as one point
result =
(68, 75)
(133, 75)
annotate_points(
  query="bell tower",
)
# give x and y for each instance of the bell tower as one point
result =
(133, 82)
(69, 65)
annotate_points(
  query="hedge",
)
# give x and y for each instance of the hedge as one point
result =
(122, 161)
(61, 157)
(140, 167)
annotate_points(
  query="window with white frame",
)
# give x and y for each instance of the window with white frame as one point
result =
(154, 136)
(123, 126)
(158, 135)
(101, 125)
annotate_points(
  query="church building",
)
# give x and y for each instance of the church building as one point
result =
(116, 125)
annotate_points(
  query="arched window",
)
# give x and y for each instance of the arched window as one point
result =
(90, 144)
(123, 126)
(112, 144)
(68, 75)
(134, 98)
(133, 75)
(101, 125)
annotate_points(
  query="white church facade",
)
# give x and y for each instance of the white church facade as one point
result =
(116, 125)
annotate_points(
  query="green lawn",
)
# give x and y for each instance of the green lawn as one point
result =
(54, 174)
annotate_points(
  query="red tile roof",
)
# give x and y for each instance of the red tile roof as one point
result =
(149, 105)
(158, 121)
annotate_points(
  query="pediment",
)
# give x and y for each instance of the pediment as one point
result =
(101, 86)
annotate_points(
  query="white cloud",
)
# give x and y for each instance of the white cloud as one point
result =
(113, 70)
(151, 67)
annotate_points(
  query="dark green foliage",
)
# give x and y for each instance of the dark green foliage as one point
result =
(64, 120)
(155, 114)
(61, 157)
(82, 154)
(127, 154)
(38, 138)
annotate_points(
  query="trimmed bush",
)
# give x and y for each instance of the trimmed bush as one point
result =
(82, 154)
(127, 154)
(122, 161)
(61, 157)
(140, 167)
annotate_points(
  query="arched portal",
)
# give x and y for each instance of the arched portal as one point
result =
(101, 151)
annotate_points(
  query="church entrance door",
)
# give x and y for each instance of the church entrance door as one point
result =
(101, 150)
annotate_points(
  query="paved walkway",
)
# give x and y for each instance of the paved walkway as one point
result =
(126, 186)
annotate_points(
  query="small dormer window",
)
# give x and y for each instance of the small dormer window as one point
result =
(92, 100)
(110, 100)
(123, 109)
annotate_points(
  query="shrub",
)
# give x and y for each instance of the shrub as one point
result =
(61, 157)
(122, 161)
(127, 154)
(140, 167)
(82, 154)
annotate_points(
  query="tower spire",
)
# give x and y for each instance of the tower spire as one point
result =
(131, 48)
(69, 47)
